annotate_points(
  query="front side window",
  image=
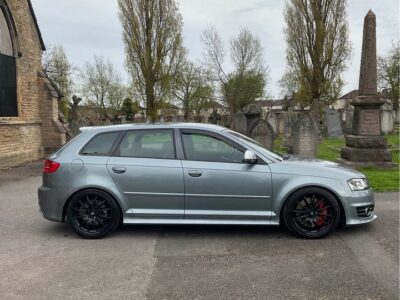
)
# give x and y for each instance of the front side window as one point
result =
(101, 144)
(256, 145)
(8, 76)
(148, 144)
(203, 147)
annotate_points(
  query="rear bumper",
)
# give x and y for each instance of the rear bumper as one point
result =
(48, 205)
(357, 205)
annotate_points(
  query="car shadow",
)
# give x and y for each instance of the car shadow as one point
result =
(198, 231)
(204, 230)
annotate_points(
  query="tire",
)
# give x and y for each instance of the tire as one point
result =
(93, 214)
(311, 213)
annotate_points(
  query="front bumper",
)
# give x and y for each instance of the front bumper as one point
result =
(48, 204)
(359, 207)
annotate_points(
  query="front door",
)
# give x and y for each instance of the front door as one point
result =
(147, 173)
(218, 185)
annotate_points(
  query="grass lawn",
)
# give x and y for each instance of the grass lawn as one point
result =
(381, 180)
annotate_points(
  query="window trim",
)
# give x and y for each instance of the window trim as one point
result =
(11, 28)
(114, 153)
(217, 136)
(16, 54)
(98, 134)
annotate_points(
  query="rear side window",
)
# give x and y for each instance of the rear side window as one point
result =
(148, 144)
(101, 144)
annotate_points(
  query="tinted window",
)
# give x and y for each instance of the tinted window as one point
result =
(207, 148)
(101, 144)
(148, 144)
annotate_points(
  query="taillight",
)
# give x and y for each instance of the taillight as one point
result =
(50, 166)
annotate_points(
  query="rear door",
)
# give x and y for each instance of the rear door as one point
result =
(146, 171)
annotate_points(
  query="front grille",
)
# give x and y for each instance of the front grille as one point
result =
(365, 211)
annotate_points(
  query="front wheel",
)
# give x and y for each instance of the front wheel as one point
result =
(311, 213)
(93, 214)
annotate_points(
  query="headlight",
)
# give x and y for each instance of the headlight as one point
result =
(358, 184)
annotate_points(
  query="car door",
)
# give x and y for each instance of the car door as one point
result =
(146, 171)
(218, 185)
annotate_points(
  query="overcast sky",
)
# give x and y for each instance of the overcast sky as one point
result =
(88, 27)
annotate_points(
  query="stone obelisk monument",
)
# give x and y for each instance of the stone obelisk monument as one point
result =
(366, 145)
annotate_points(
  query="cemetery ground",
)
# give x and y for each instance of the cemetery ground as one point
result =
(381, 180)
(44, 260)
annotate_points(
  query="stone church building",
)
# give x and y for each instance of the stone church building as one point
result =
(29, 126)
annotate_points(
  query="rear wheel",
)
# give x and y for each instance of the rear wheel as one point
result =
(93, 214)
(311, 213)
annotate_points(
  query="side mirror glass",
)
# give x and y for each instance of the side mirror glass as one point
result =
(249, 157)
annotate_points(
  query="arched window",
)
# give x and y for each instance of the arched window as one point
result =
(8, 76)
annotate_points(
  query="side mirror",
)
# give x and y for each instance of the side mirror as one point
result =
(250, 157)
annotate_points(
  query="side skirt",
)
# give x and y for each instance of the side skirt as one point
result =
(195, 221)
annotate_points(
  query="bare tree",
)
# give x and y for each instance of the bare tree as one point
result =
(59, 70)
(117, 95)
(153, 45)
(100, 80)
(389, 74)
(246, 53)
(318, 48)
(192, 89)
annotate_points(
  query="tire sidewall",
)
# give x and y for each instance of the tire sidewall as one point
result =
(115, 214)
(292, 200)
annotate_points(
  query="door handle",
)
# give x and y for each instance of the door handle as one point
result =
(119, 170)
(195, 173)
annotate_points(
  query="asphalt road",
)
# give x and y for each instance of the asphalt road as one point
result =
(44, 260)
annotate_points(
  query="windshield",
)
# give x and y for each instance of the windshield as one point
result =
(256, 145)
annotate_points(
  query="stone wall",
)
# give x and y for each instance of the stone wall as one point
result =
(34, 132)
(20, 144)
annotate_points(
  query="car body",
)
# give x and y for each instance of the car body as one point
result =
(195, 174)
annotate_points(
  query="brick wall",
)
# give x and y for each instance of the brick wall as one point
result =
(33, 133)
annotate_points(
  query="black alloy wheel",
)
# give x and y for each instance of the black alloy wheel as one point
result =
(93, 214)
(311, 213)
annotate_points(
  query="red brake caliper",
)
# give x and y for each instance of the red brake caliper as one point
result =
(322, 211)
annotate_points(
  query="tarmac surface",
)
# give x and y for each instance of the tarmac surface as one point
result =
(40, 259)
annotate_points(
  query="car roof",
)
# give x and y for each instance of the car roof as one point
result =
(210, 127)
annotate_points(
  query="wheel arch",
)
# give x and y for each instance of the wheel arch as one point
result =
(342, 220)
(64, 211)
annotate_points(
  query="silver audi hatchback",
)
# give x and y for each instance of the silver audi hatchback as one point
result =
(195, 174)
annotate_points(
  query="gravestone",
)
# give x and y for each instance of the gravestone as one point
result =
(281, 124)
(123, 120)
(214, 117)
(253, 114)
(264, 134)
(239, 123)
(366, 146)
(387, 120)
(396, 116)
(305, 137)
(348, 123)
(289, 119)
(272, 119)
(206, 116)
(333, 123)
